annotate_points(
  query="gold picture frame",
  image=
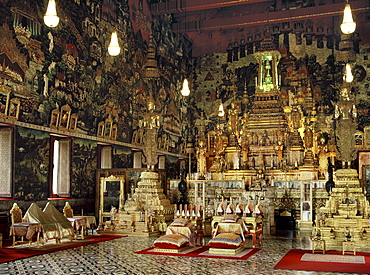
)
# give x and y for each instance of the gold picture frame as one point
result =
(367, 136)
(363, 163)
(365, 175)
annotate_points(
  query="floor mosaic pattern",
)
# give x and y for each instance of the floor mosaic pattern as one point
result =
(117, 257)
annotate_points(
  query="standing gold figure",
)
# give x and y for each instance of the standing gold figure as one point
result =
(151, 124)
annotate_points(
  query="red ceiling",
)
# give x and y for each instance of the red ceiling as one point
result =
(213, 24)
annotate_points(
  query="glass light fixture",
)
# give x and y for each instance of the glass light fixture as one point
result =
(114, 48)
(348, 76)
(51, 18)
(185, 88)
(348, 26)
(221, 111)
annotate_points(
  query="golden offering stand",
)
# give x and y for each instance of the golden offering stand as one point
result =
(345, 215)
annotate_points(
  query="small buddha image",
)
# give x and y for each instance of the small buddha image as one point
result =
(2, 107)
(345, 115)
(13, 110)
(201, 158)
(64, 120)
(151, 124)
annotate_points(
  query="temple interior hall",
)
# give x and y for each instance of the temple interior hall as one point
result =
(236, 132)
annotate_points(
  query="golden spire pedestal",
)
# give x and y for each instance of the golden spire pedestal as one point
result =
(145, 212)
(346, 212)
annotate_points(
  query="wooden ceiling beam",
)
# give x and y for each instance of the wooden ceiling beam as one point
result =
(225, 23)
(180, 6)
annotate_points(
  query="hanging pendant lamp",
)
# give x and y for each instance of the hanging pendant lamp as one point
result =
(348, 26)
(114, 48)
(51, 18)
(185, 88)
(348, 76)
(221, 111)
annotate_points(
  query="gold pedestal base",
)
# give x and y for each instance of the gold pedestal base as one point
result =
(225, 251)
(110, 232)
(168, 250)
(143, 234)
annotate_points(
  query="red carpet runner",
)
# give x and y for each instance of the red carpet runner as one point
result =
(292, 261)
(9, 254)
(202, 251)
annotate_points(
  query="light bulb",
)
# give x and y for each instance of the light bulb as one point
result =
(348, 76)
(221, 111)
(113, 48)
(185, 88)
(51, 18)
(348, 26)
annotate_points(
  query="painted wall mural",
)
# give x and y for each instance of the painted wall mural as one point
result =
(31, 164)
(172, 167)
(122, 157)
(83, 169)
(65, 80)
(69, 65)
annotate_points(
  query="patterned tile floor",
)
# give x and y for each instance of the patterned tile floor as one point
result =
(117, 257)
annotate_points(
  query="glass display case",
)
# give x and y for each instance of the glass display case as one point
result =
(112, 195)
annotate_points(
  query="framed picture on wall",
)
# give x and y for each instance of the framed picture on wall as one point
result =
(14, 107)
(365, 175)
(4, 100)
(367, 136)
(359, 138)
(363, 161)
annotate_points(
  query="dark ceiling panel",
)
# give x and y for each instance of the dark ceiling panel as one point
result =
(201, 20)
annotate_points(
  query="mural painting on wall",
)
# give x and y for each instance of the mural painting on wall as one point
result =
(122, 157)
(140, 22)
(83, 169)
(170, 136)
(13, 70)
(219, 82)
(172, 168)
(31, 164)
(70, 66)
